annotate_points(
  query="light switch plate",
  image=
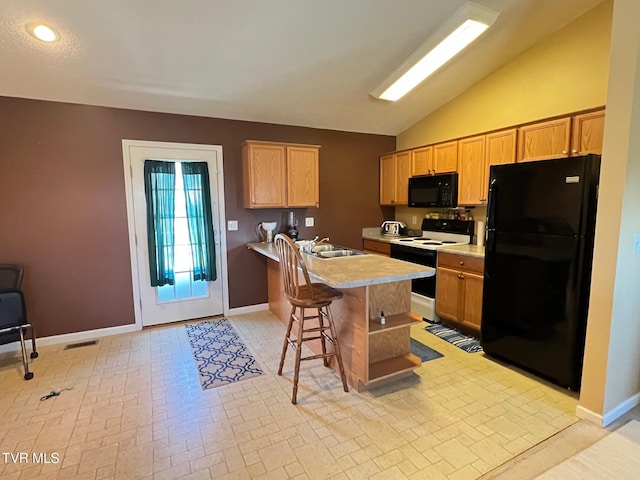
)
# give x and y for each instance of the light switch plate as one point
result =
(414, 219)
(309, 222)
(232, 225)
(636, 243)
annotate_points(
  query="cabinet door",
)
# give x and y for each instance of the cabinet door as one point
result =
(403, 172)
(448, 289)
(471, 167)
(501, 148)
(445, 157)
(264, 176)
(545, 140)
(422, 161)
(472, 300)
(387, 180)
(588, 131)
(302, 176)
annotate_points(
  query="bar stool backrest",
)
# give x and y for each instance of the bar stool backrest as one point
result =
(10, 277)
(291, 263)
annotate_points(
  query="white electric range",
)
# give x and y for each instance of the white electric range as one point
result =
(423, 250)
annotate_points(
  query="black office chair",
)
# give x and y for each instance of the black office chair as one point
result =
(13, 313)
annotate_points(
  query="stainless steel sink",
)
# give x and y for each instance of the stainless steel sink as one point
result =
(338, 253)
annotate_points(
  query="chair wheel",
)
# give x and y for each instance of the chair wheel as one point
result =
(28, 376)
(34, 354)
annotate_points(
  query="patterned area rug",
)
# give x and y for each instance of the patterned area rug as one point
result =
(424, 352)
(454, 337)
(220, 355)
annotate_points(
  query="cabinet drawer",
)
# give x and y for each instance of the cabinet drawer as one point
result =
(461, 262)
(377, 247)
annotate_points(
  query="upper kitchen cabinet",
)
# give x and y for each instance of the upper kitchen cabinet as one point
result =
(587, 133)
(302, 176)
(501, 148)
(422, 161)
(395, 170)
(280, 175)
(445, 157)
(475, 157)
(544, 140)
(471, 161)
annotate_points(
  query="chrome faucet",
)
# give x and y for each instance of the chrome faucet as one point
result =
(307, 246)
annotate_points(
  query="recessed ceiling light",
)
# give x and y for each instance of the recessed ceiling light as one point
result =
(43, 32)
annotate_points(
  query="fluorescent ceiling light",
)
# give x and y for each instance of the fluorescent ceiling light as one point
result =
(467, 24)
(43, 33)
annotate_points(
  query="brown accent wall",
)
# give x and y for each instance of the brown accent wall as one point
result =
(63, 208)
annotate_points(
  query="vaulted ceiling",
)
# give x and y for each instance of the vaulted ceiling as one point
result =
(295, 62)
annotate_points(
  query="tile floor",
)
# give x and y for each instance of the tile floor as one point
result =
(137, 410)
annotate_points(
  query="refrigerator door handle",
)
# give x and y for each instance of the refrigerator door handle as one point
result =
(491, 207)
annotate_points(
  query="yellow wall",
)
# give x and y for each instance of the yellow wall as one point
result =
(570, 72)
(611, 378)
(565, 73)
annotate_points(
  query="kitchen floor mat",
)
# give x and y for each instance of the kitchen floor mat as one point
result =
(425, 353)
(454, 337)
(220, 355)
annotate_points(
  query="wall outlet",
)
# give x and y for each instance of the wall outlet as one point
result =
(414, 219)
(309, 222)
(232, 225)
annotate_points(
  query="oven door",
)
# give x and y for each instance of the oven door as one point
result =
(422, 286)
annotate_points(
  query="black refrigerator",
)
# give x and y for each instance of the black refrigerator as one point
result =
(538, 254)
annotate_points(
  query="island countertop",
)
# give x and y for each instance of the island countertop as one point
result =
(353, 271)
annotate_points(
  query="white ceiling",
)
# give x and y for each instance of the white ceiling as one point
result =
(295, 62)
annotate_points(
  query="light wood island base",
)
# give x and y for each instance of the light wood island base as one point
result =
(372, 353)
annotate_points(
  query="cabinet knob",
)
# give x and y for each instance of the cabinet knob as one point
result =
(461, 262)
(574, 151)
(564, 152)
(460, 276)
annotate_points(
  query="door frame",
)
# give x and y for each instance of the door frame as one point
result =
(219, 230)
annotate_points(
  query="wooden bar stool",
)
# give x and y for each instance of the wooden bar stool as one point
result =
(303, 296)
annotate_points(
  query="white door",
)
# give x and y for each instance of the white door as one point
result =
(186, 299)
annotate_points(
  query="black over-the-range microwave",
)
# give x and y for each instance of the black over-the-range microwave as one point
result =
(434, 191)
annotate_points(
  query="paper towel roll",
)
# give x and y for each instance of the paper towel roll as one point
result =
(480, 234)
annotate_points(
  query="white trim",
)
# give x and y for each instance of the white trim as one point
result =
(222, 234)
(586, 414)
(259, 307)
(620, 409)
(613, 414)
(72, 337)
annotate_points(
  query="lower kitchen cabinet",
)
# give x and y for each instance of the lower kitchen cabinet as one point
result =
(373, 246)
(459, 290)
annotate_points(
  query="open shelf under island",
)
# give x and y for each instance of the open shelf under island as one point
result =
(371, 353)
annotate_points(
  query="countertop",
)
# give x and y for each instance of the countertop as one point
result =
(353, 271)
(374, 233)
(469, 250)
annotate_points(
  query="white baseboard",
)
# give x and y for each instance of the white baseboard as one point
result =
(104, 332)
(259, 307)
(621, 409)
(72, 337)
(613, 414)
(586, 414)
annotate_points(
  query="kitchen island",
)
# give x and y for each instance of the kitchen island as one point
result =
(372, 353)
